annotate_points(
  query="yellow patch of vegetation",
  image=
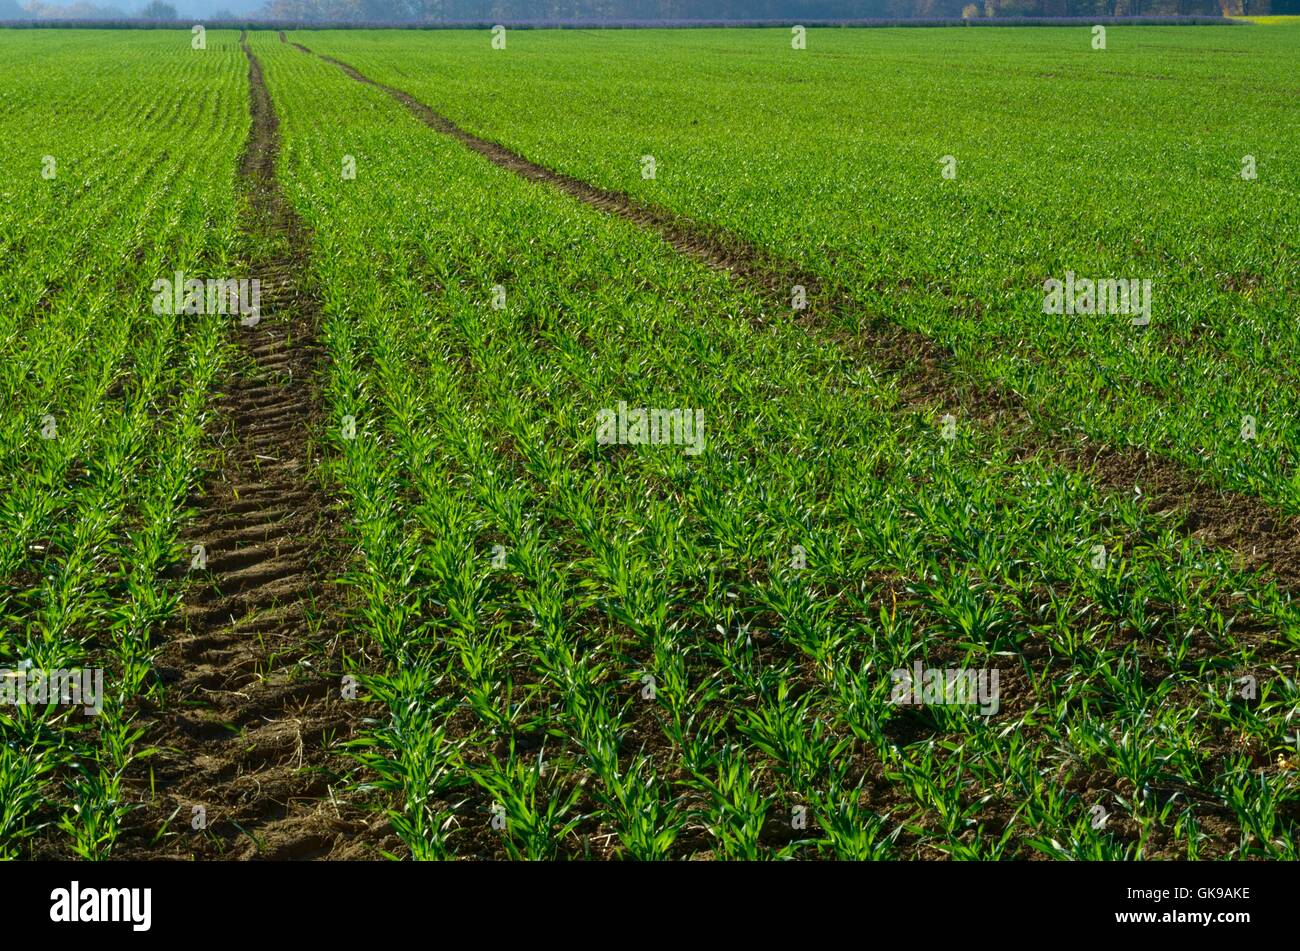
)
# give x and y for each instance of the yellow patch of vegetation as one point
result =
(1270, 21)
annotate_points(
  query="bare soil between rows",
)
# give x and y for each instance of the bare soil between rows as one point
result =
(249, 764)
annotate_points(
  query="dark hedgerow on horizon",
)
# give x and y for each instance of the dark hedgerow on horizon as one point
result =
(272, 24)
(637, 13)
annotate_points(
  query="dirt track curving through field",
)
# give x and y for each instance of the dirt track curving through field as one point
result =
(1253, 531)
(254, 708)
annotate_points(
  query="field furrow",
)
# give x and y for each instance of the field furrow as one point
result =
(943, 193)
(1257, 534)
(254, 713)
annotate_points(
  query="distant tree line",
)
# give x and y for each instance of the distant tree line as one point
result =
(792, 10)
(480, 11)
(81, 10)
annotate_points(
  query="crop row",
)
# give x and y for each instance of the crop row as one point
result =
(117, 170)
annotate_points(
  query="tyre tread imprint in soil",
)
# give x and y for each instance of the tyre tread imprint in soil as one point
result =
(1256, 533)
(252, 716)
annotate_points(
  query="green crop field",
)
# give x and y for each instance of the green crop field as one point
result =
(652, 444)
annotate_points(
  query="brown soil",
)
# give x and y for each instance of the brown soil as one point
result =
(1258, 534)
(254, 710)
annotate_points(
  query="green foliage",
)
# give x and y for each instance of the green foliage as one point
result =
(89, 518)
(585, 650)
(609, 647)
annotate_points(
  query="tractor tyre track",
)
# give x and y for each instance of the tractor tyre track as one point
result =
(1256, 533)
(254, 709)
